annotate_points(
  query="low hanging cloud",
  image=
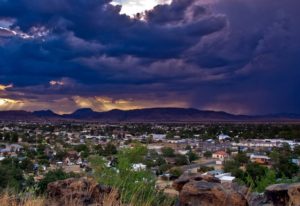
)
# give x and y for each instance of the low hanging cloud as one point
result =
(240, 56)
(5, 87)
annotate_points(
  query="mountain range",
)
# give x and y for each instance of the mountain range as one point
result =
(145, 115)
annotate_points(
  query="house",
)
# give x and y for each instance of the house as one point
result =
(79, 161)
(183, 152)
(139, 167)
(225, 177)
(223, 137)
(221, 155)
(260, 159)
(158, 137)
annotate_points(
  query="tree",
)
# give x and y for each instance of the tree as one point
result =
(82, 148)
(26, 165)
(241, 158)
(282, 164)
(53, 176)
(285, 167)
(230, 166)
(192, 156)
(176, 172)
(60, 155)
(110, 149)
(168, 152)
(41, 149)
(165, 167)
(297, 150)
(268, 179)
(99, 149)
(256, 171)
(204, 169)
(14, 137)
(181, 160)
(11, 176)
(207, 154)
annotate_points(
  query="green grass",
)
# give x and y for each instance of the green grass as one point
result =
(137, 188)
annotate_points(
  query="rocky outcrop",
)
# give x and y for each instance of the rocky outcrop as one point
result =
(283, 194)
(206, 191)
(81, 192)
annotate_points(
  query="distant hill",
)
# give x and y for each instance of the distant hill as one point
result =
(144, 115)
(45, 114)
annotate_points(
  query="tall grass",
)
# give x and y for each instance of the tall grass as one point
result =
(137, 188)
(11, 199)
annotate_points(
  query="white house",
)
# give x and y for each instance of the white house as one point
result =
(139, 167)
(223, 137)
(226, 177)
(158, 137)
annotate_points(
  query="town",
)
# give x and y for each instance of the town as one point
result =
(256, 155)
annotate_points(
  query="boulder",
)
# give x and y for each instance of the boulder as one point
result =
(82, 191)
(201, 190)
(283, 194)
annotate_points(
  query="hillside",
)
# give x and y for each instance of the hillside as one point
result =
(145, 115)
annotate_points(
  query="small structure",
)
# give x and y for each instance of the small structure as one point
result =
(260, 159)
(138, 167)
(223, 137)
(225, 178)
(221, 155)
(158, 137)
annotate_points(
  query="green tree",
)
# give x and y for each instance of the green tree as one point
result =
(110, 149)
(11, 176)
(53, 176)
(192, 156)
(26, 165)
(297, 150)
(241, 158)
(256, 171)
(285, 167)
(176, 172)
(268, 179)
(14, 137)
(181, 160)
(168, 152)
(207, 154)
(204, 169)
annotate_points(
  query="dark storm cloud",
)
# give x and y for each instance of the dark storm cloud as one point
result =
(234, 55)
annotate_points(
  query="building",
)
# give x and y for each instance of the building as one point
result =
(221, 155)
(138, 167)
(223, 137)
(225, 178)
(158, 137)
(260, 159)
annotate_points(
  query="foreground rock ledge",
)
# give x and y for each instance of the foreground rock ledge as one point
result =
(284, 194)
(81, 192)
(200, 190)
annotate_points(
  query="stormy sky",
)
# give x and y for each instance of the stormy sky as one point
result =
(238, 56)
